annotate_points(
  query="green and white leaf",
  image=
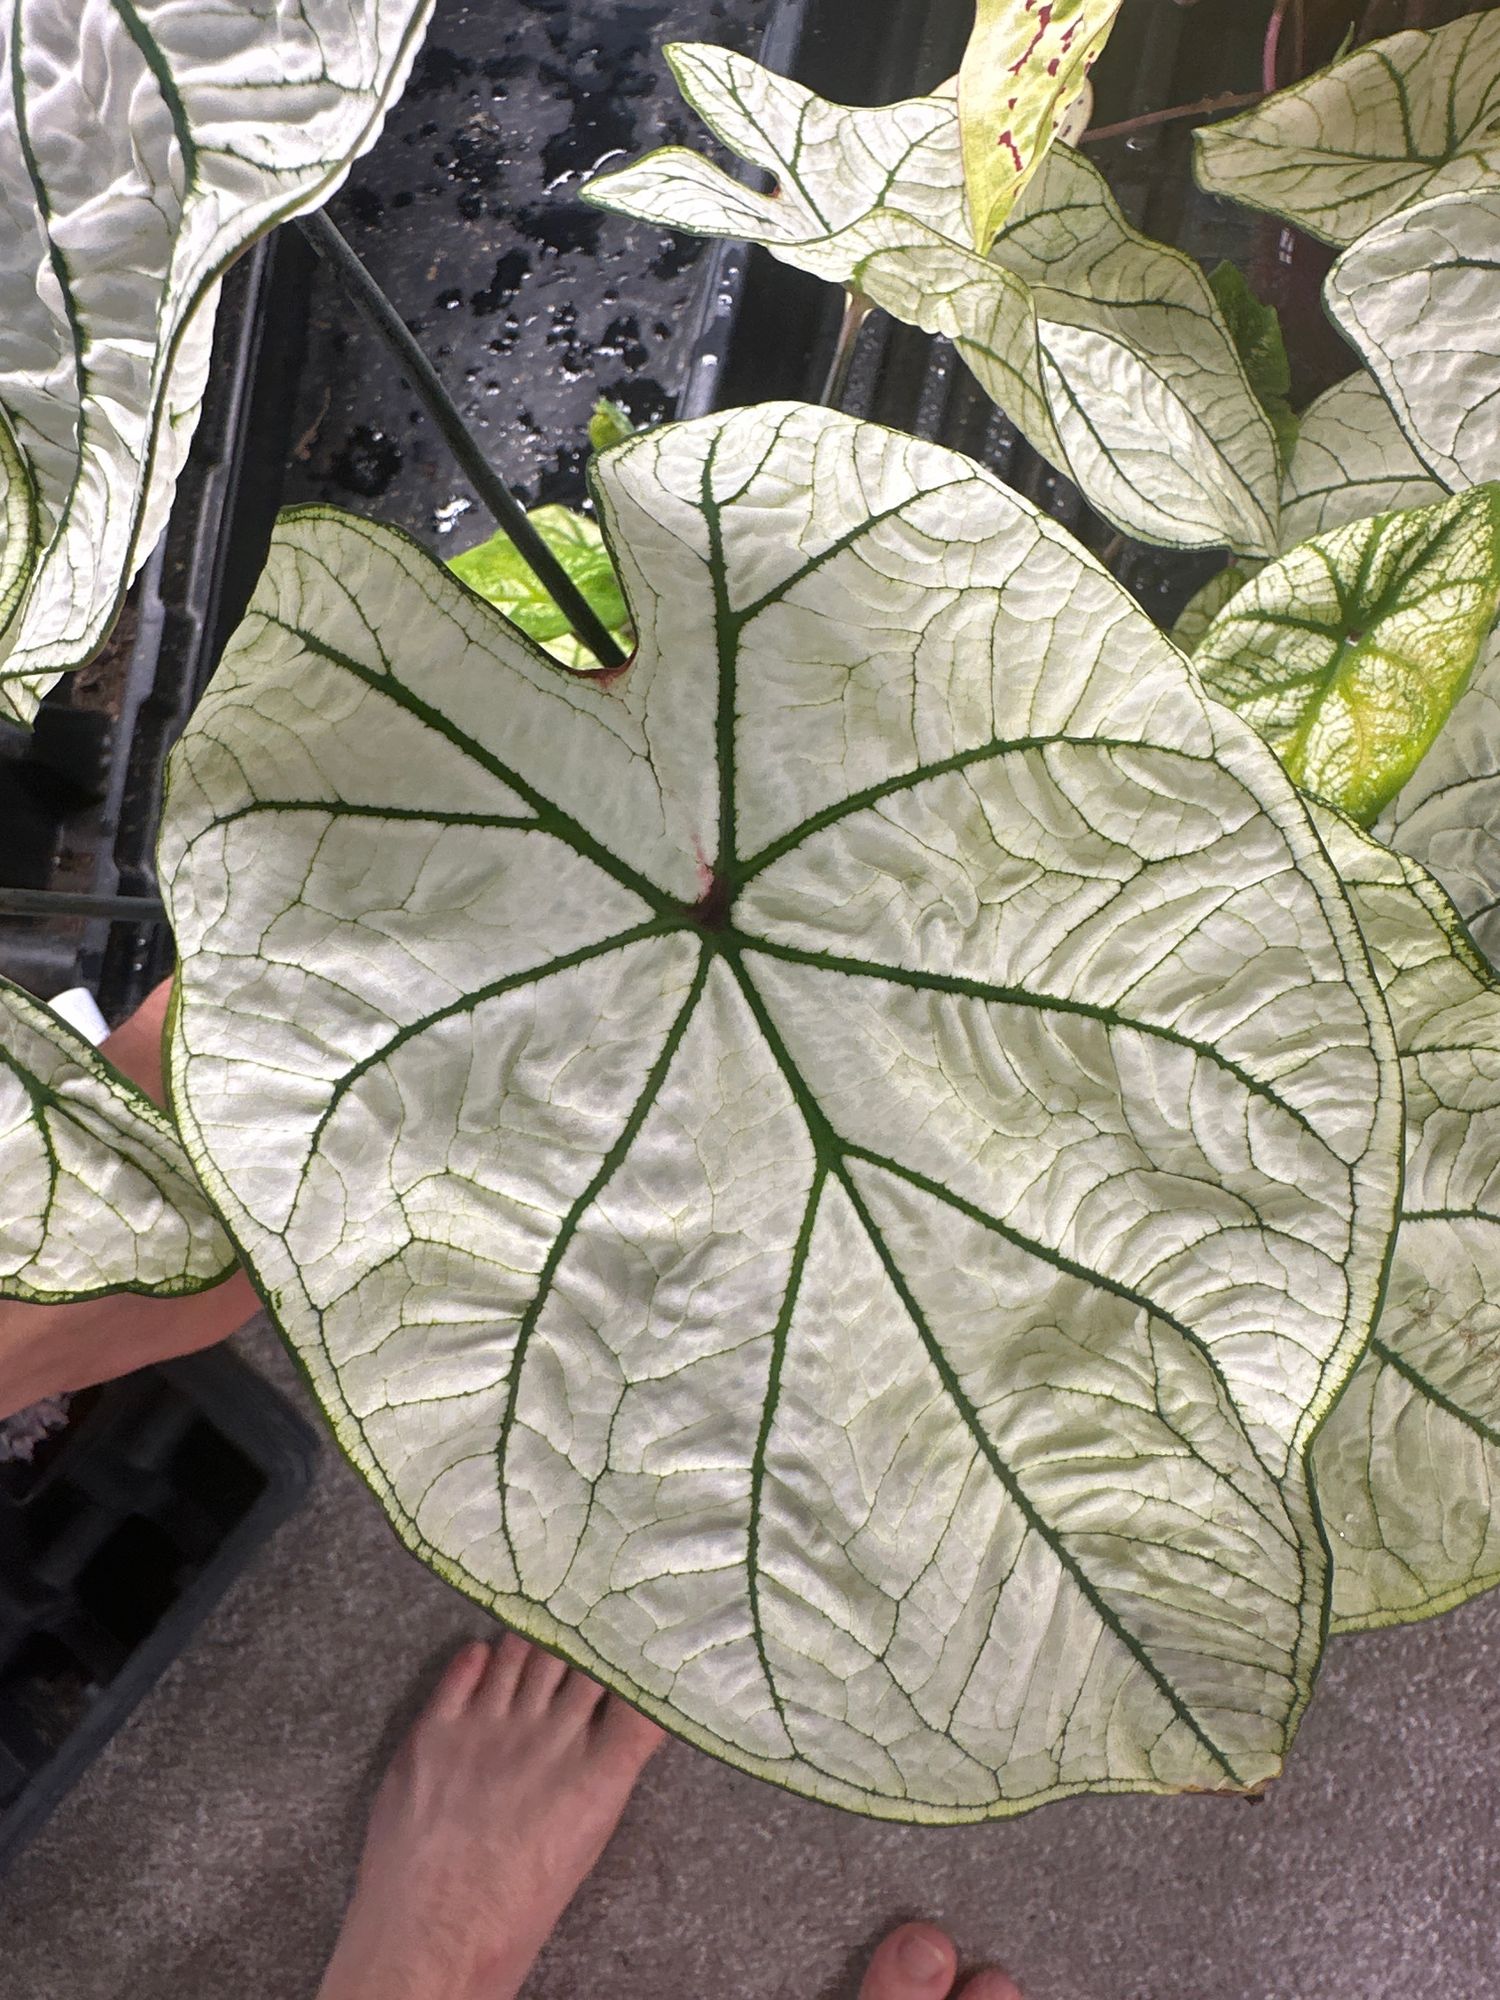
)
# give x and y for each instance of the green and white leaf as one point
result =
(1367, 137)
(501, 574)
(201, 123)
(1407, 1466)
(1419, 297)
(1255, 328)
(1107, 350)
(1352, 460)
(1447, 815)
(877, 1121)
(1026, 64)
(18, 536)
(99, 1196)
(1348, 654)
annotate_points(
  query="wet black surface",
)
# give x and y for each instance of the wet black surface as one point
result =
(531, 304)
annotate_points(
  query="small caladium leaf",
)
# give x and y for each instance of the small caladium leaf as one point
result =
(1407, 1466)
(499, 572)
(1348, 654)
(1420, 299)
(202, 127)
(831, 1175)
(1447, 815)
(1256, 331)
(1107, 350)
(609, 425)
(1026, 64)
(1352, 459)
(1369, 136)
(99, 1196)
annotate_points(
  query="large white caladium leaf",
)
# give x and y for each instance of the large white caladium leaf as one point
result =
(1349, 653)
(1367, 137)
(830, 1175)
(1407, 1466)
(142, 146)
(1108, 351)
(1420, 299)
(99, 1196)
(1026, 63)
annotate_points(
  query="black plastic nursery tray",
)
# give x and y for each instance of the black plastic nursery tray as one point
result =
(532, 303)
(116, 1538)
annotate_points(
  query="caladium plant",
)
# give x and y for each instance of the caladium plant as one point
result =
(885, 1144)
(1107, 350)
(1394, 152)
(142, 147)
(99, 1196)
(843, 1175)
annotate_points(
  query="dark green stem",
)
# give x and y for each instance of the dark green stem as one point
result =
(487, 483)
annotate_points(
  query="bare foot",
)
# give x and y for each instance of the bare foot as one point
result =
(918, 1962)
(496, 1807)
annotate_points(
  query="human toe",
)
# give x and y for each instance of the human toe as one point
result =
(990, 1985)
(626, 1733)
(916, 1962)
(461, 1678)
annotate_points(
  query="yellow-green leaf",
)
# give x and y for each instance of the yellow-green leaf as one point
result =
(1026, 63)
(498, 571)
(1348, 654)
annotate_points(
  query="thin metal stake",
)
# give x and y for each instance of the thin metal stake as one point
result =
(487, 483)
(70, 903)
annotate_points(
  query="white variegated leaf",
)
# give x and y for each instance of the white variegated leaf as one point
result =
(1025, 67)
(1407, 1466)
(1419, 297)
(18, 533)
(143, 144)
(1107, 350)
(99, 1196)
(1350, 652)
(1352, 459)
(1367, 137)
(830, 1176)
(1447, 815)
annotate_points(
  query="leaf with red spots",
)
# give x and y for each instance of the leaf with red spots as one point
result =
(1026, 63)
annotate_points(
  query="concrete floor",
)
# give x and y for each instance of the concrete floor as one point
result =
(207, 1854)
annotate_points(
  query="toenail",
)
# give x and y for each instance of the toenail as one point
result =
(921, 1958)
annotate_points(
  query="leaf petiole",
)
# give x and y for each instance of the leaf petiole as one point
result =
(350, 270)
